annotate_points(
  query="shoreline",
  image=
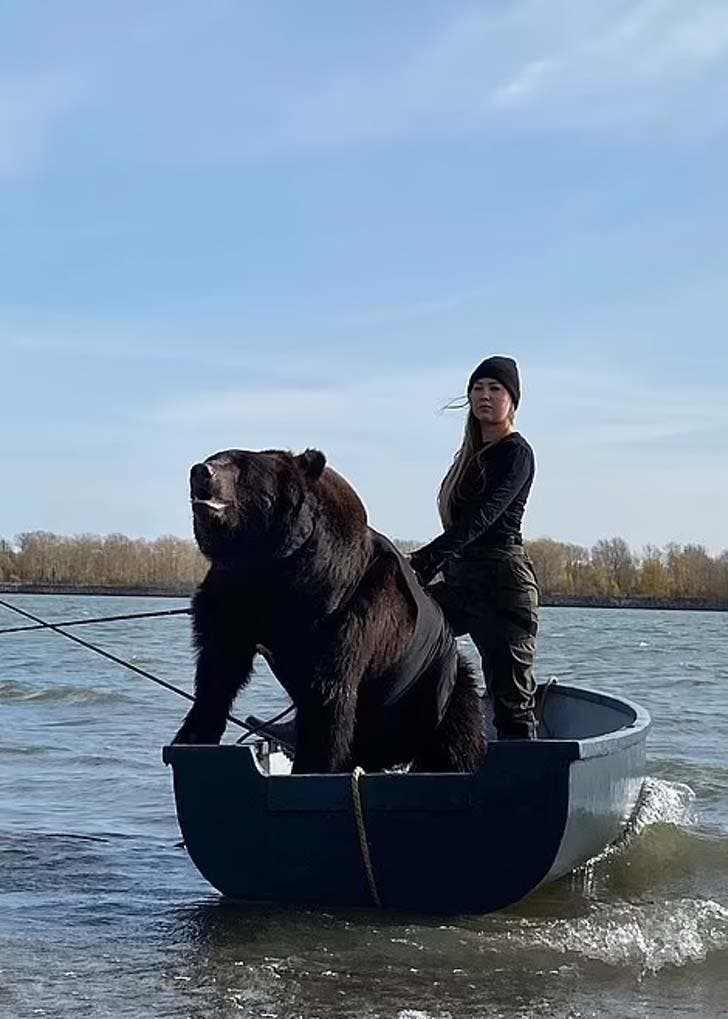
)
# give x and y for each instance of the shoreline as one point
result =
(550, 601)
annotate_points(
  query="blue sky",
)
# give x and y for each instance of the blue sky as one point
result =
(283, 224)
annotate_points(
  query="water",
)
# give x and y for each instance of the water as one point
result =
(102, 913)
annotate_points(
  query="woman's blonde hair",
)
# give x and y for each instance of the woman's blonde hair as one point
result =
(472, 443)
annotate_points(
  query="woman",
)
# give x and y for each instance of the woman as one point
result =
(489, 589)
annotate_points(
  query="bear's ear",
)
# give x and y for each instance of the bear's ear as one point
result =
(312, 463)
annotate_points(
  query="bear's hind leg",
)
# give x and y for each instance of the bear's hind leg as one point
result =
(458, 743)
(324, 733)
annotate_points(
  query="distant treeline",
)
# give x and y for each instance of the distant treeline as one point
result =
(608, 570)
(92, 560)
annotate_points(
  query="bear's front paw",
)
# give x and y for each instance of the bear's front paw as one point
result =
(183, 735)
(193, 731)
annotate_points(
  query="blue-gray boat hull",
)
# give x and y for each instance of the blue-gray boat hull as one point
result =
(447, 843)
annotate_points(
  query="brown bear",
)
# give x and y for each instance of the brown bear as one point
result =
(363, 652)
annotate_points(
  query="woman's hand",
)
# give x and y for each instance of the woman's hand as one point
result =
(423, 566)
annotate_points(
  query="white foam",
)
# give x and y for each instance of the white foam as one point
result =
(663, 802)
(660, 802)
(415, 1013)
(650, 936)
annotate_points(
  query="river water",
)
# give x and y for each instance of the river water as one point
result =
(103, 914)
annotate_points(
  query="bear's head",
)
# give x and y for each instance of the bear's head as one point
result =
(255, 506)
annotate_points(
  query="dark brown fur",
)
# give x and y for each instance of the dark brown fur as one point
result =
(293, 569)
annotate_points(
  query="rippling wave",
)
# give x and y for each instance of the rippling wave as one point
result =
(60, 693)
(103, 914)
(648, 936)
(28, 751)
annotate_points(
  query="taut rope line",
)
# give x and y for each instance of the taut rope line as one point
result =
(96, 619)
(112, 658)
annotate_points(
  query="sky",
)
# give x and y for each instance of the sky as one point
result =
(253, 224)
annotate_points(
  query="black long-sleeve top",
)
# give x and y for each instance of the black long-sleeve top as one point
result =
(488, 505)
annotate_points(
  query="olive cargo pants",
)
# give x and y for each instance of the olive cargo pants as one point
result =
(494, 599)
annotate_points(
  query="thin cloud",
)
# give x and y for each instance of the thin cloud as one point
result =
(486, 69)
(612, 410)
(531, 79)
(244, 352)
(632, 47)
(27, 332)
(600, 407)
(365, 401)
(589, 65)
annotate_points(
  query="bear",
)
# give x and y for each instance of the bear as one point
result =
(365, 655)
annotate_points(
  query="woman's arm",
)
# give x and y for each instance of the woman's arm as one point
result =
(507, 472)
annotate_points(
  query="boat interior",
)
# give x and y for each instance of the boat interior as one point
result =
(563, 713)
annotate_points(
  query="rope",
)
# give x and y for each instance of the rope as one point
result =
(252, 730)
(361, 830)
(99, 619)
(112, 658)
(39, 624)
(551, 681)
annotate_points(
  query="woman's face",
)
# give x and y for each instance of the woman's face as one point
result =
(490, 402)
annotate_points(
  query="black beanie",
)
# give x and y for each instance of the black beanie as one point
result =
(503, 370)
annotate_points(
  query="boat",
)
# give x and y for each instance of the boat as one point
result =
(432, 843)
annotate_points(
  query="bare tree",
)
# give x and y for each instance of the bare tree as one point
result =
(8, 568)
(168, 562)
(550, 561)
(614, 560)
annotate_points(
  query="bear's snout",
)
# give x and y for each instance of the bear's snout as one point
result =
(201, 481)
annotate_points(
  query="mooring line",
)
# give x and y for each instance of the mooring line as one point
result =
(260, 726)
(113, 658)
(96, 619)
(365, 848)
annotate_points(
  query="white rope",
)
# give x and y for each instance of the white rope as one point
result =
(363, 841)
